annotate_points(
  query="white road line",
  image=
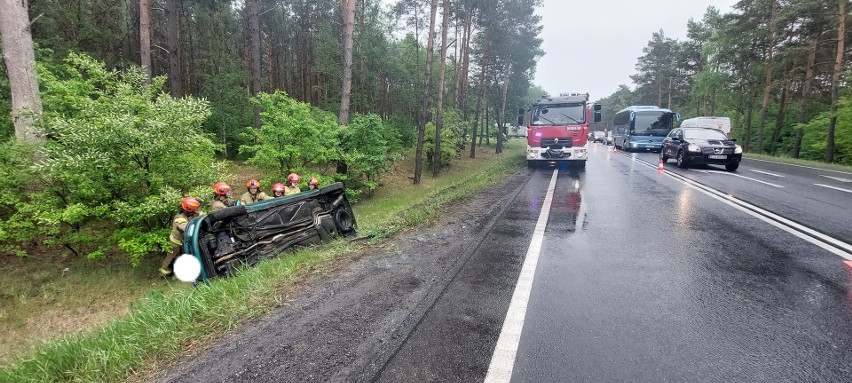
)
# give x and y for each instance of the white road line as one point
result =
(768, 173)
(826, 242)
(799, 166)
(503, 359)
(752, 179)
(834, 187)
(836, 178)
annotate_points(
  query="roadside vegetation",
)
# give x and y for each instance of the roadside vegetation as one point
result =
(776, 68)
(156, 321)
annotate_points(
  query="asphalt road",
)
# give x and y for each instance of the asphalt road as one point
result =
(630, 274)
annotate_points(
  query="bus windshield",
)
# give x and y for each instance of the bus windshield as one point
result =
(559, 114)
(652, 123)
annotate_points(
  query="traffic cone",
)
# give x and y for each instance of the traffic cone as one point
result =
(660, 167)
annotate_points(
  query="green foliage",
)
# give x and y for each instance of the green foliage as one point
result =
(293, 135)
(816, 131)
(367, 149)
(450, 144)
(119, 156)
(6, 127)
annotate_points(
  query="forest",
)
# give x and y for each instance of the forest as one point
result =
(776, 68)
(125, 107)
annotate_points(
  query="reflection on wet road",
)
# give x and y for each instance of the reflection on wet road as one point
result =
(667, 283)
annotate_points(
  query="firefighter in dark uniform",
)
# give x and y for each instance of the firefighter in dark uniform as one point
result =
(189, 210)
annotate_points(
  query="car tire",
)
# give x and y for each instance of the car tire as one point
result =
(681, 160)
(732, 167)
(663, 157)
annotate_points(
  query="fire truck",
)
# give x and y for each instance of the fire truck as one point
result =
(558, 128)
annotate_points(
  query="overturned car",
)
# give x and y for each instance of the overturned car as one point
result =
(242, 235)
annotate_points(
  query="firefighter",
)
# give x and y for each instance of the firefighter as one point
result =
(292, 185)
(221, 201)
(188, 210)
(313, 184)
(253, 194)
(278, 190)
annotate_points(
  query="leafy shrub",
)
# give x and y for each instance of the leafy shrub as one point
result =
(452, 139)
(293, 135)
(367, 148)
(119, 156)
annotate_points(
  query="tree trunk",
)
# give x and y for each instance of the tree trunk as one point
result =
(439, 117)
(747, 130)
(466, 66)
(19, 57)
(779, 122)
(767, 85)
(173, 27)
(501, 121)
(348, 29)
(806, 90)
(145, 38)
(480, 95)
(254, 35)
(835, 79)
(424, 110)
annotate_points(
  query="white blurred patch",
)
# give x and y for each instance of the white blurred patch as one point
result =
(187, 268)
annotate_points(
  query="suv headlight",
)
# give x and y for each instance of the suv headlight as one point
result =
(738, 150)
(693, 148)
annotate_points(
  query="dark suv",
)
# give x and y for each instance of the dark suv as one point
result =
(699, 146)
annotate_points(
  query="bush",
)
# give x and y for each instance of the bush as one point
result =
(119, 156)
(293, 135)
(367, 149)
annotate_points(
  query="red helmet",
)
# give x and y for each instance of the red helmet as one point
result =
(252, 184)
(221, 188)
(313, 181)
(294, 178)
(279, 187)
(190, 204)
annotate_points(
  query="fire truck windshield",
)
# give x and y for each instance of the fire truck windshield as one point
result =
(559, 114)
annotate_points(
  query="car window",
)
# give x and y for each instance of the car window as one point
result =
(705, 134)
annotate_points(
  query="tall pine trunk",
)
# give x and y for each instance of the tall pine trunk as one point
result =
(480, 95)
(501, 120)
(779, 121)
(254, 35)
(173, 28)
(145, 38)
(767, 85)
(348, 29)
(806, 87)
(424, 110)
(439, 118)
(835, 79)
(19, 57)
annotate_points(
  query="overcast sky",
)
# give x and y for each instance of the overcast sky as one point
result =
(592, 46)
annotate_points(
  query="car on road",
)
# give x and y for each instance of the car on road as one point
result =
(241, 235)
(701, 146)
(608, 138)
(598, 136)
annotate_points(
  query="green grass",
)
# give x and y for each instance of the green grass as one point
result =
(796, 161)
(167, 323)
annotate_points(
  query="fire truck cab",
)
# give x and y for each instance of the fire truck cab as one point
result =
(558, 128)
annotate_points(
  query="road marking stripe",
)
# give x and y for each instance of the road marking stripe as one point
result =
(836, 178)
(800, 166)
(751, 179)
(833, 245)
(768, 173)
(834, 187)
(826, 242)
(503, 358)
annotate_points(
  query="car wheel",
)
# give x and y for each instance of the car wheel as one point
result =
(681, 160)
(732, 167)
(663, 157)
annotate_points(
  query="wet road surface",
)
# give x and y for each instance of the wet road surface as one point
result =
(637, 275)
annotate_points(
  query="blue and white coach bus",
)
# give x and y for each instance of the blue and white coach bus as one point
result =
(642, 128)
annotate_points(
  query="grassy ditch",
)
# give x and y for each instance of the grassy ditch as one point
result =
(800, 162)
(166, 323)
